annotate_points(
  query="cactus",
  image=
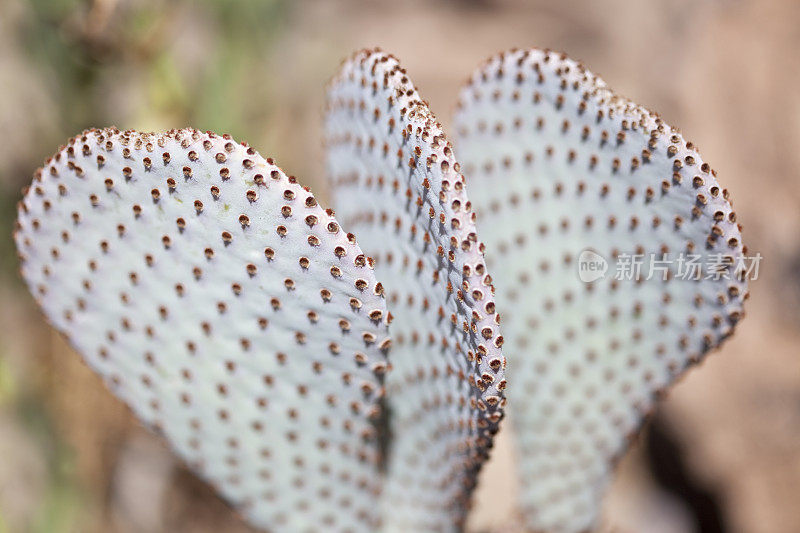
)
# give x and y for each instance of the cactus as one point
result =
(238, 319)
(558, 165)
(226, 308)
(396, 183)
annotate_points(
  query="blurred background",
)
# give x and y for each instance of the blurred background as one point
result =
(723, 452)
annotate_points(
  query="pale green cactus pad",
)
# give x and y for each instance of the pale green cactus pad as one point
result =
(226, 308)
(567, 178)
(397, 184)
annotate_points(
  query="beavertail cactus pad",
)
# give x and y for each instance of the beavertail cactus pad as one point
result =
(226, 308)
(566, 175)
(396, 183)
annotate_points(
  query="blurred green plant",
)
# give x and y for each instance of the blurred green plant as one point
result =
(7, 384)
(135, 65)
